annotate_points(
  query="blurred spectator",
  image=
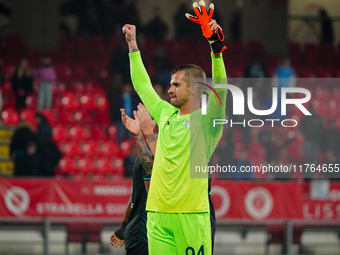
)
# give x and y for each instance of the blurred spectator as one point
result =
(68, 10)
(88, 20)
(225, 152)
(162, 66)
(126, 99)
(23, 150)
(5, 10)
(44, 129)
(331, 159)
(45, 75)
(283, 160)
(161, 92)
(183, 27)
(255, 68)
(331, 139)
(49, 157)
(235, 26)
(156, 28)
(48, 151)
(243, 162)
(2, 79)
(119, 62)
(107, 16)
(312, 129)
(327, 33)
(22, 84)
(284, 75)
(129, 162)
(130, 14)
(271, 144)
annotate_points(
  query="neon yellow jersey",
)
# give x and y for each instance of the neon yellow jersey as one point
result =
(172, 190)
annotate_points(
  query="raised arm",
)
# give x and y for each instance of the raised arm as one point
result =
(139, 76)
(214, 34)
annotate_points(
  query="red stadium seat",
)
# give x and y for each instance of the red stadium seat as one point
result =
(306, 73)
(311, 49)
(125, 149)
(84, 164)
(324, 73)
(236, 47)
(113, 43)
(14, 42)
(64, 72)
(69, 101)
(72, 149)
(31, 102)
(80, 73)
(8, 71)
(102, 117)
(295, 49)
(10, 116)
(112, 131)
(321, 92)
(97, 42)
(80, 44)
(87, 101)
(6, 87)
(111, 148)
(28, 115)
(92, 148)
(327, 49)
(67, 166)
(101, 102)
(79, 132)
(168, 46)
(66, 117)
(60, 132)
(119, 168)
(256, 151)
(98, 132)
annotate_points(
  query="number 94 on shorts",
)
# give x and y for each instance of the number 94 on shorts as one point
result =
(179, 233)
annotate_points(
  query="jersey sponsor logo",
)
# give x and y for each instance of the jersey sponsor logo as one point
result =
(187, 123)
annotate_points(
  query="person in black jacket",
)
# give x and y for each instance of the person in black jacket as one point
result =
(327, 33)
(23, 150)
(49, 153)
(22, 84)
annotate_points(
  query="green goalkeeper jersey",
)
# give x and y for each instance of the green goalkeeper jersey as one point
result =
(183, 140)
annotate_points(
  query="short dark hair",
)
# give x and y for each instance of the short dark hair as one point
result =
(192, 71)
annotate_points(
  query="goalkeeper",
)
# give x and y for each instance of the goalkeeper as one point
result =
(178, 205)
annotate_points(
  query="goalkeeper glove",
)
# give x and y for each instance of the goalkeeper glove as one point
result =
(120, 232)
(203, 17)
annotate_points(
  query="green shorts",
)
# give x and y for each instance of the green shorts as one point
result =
(179, 233)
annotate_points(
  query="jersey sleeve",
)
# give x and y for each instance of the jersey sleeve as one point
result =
(219, 76)
(142, 84)
(215, 111)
